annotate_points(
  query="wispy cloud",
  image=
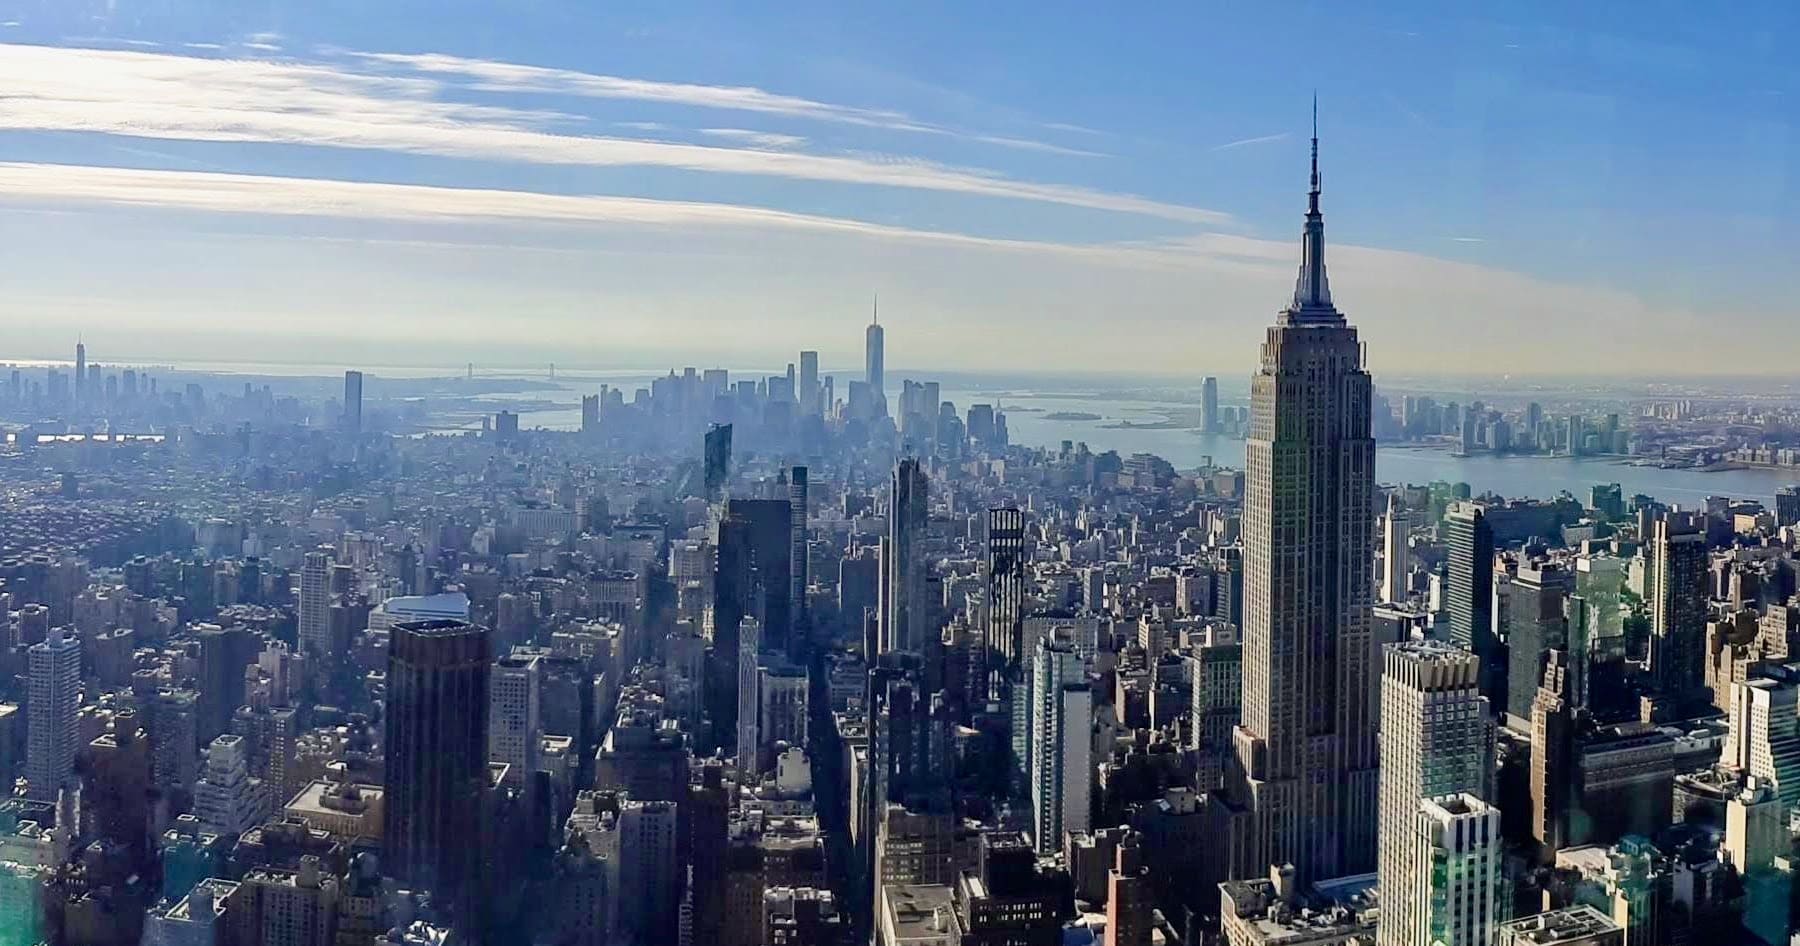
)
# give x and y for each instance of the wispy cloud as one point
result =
(1026, 144)
(493, 76)
(63, 185)
(1076, 129)
(756, 139)
(113, 41)
(1246, 142)
(201, 99)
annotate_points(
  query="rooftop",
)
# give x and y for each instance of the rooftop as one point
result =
(1570, 925)
(917, 911)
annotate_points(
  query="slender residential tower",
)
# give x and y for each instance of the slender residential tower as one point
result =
(53, 700)
(1302, 789)
(1396, 562)
(902, 592)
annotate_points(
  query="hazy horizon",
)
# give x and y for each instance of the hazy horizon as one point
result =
(1740, 382)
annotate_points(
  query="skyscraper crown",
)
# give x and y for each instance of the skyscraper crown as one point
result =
(1312, 290)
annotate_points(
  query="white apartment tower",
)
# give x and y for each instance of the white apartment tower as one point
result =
(515, 688)
(54, 693)
(227, 800)
(314, 613)
(1763, 739)
(1436, 740)
(1455, 883)
(1396, 560)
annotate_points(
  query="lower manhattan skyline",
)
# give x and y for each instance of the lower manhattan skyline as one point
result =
(467, 477)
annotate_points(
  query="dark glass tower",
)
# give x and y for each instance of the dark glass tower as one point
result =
(1537, 624)
(437, 701)
(717, 461)
(752, 578)
(903, 603)
(1469, 594)
(1005, 573)
(1678, 606)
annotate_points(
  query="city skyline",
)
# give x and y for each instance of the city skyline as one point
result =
(849, 655)
(524, 198)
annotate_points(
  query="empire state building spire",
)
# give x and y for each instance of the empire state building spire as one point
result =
(1312, 291)
(1301, 787)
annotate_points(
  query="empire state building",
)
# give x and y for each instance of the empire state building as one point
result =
(1302, 788)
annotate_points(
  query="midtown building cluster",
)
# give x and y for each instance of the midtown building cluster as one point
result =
(771, 662)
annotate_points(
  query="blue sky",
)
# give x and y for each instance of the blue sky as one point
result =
(1047, 186)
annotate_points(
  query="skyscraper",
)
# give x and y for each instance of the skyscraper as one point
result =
(437, 750)
(811, 402)
(314, 616)
(717, 462)
(874, 341)
(1209, 405)
(1396, 560)
(1552, 776)
(1455, 894)
(1469, 591)
(224, 653)
(797, 559)
(1004, 570)
(648, 863)
(749, 738)
(1763, 740)
(80, 370)
(900, 764)
(1436, 739)
(750, 579)
(903, 603)
(515, 728)
(1062, 708)
(1787, 506)
(1536, 624)
(353, 401)
(174, 727)
(54, 694)
(1678, 605)
(590, 414)
(1304, 775)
